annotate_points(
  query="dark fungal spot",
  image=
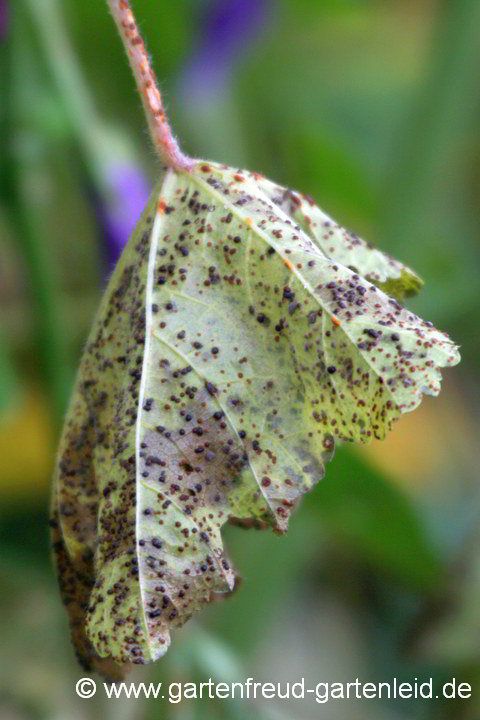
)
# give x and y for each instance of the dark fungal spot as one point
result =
(211, 388)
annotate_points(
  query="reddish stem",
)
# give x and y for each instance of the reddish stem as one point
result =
(164, 141)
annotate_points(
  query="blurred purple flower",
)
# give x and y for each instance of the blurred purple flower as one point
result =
(120, 208)
(4, 18)
(226, 29)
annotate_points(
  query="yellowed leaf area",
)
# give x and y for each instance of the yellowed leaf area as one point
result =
(242, 335)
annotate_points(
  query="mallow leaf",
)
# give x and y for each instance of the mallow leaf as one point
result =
(232, 348)
(343, 246)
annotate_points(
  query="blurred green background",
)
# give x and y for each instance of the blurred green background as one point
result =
(372, 108)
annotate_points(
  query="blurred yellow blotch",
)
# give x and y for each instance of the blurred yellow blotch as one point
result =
(425, 444)
(26, 447)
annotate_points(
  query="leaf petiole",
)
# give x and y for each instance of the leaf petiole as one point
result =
(164, 141)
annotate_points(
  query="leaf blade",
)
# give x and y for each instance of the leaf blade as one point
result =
(228, 355)
(346, 248)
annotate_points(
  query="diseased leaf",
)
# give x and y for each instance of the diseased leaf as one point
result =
(228, 354)
(343, 246)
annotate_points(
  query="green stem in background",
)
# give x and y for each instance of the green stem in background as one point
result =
(94, 138)
(109, 160)
(63, 67)
(160, 131)
(19, 167)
